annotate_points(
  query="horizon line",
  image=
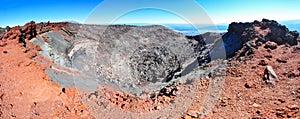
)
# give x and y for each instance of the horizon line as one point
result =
(80, 22)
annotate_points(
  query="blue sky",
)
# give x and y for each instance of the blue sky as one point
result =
(18, 12)
(226, 11)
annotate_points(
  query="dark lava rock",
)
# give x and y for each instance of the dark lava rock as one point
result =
(154, 64)
(280, 33)
(263, 63)
(269, 30)
(233, 39)
(281, 60)
(1, 30)
(250, 84)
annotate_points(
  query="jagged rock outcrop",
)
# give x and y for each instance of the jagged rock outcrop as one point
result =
(239, 34)
(26, 32)
(29, 31)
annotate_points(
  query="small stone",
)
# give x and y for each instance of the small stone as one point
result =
(293, 107)
(187, 117)
(256, 105)
(263, 63)
(193, 114)
(174, 92)
(291, 114)
(281, 100)
(293, 92)
(168, 90)
(250, 84)
(281, 60)
(38, 48)
(224, 103)
(157, 108)
(292, 74)
(167, 99)
(268, 56)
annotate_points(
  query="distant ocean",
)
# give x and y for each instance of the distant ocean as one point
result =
(188, 29)
(293, 27)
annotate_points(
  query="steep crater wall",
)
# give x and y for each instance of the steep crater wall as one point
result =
(133, 58)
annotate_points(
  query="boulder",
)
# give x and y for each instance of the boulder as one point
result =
(271, 45)
(270, 76)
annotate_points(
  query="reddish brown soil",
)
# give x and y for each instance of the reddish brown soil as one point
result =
(25, 89)
(247, 95)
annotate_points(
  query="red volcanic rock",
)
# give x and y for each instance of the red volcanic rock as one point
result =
(13, 33)
(30, 30)
(250, 84)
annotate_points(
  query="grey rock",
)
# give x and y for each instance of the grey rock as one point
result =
(270, 76)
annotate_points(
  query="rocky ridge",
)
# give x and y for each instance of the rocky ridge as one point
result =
(241, 35)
